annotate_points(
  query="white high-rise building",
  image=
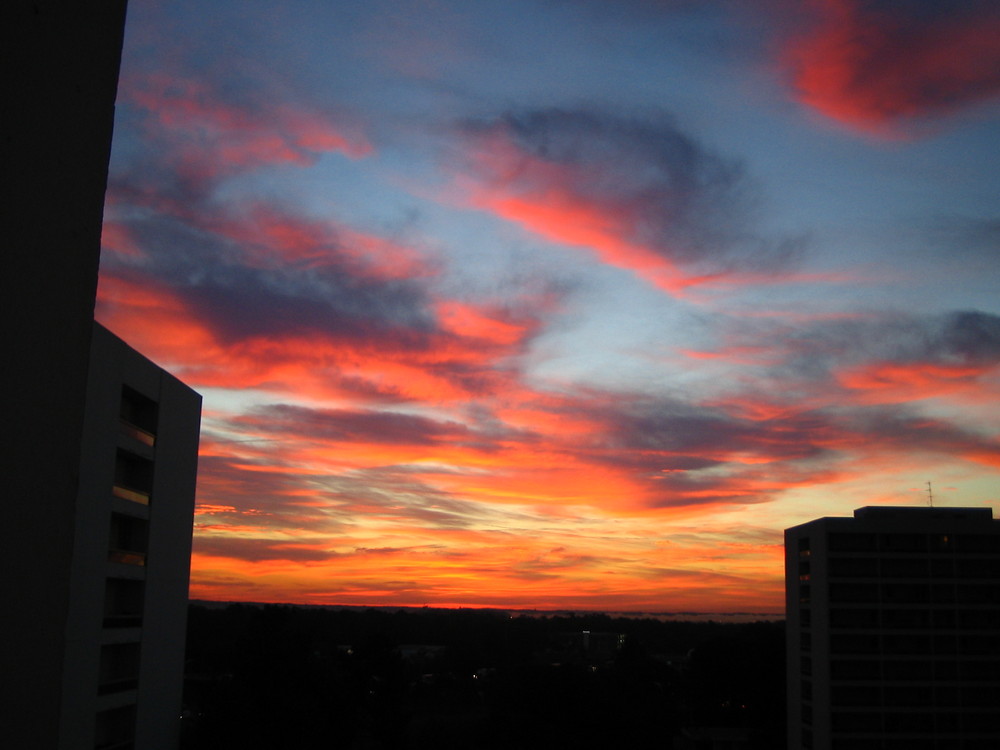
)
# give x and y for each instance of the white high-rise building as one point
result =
(124, 646)
(893, 621)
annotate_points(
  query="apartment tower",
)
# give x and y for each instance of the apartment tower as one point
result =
(100, 447)
(893, 621)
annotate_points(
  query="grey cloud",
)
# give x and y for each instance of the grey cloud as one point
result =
(679, 197)
(238, 300)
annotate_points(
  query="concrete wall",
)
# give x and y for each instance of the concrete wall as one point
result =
(59, 80)
(157, 699)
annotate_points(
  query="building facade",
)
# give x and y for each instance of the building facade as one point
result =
(59, 77)
(124, 639)
(893, 622)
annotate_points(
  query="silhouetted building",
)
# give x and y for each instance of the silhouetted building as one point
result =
(124, 661)
(893, 623)
(99, 457)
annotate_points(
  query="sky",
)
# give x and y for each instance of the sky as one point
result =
(559, 304)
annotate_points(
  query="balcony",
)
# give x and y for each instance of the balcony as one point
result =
(133, 495)
(127, 557)
(127, 540)
(137, 433)
(133, 477)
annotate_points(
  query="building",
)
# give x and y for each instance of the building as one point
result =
(893, 622)
(95, 579)
(124, 660)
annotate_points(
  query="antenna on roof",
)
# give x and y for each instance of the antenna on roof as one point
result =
(930, 495)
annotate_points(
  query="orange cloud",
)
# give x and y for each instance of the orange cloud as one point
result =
(895, 382)
(639, 195)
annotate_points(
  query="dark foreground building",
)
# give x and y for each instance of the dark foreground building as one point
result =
(893, 623)
(100, 447)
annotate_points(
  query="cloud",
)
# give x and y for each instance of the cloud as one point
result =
(208, 130)
(900, 359)
(253, 297)
(638, 192)
(262, 549)
(879, 64)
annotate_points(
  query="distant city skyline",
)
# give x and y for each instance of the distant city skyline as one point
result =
(556, 305)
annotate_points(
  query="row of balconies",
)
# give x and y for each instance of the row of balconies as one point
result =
(124, 591)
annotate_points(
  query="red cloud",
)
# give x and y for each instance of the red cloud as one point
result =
(461, 357)
(544, 198)
(641, 196)
(209, 136)
(871, 64)
(269, 237)
(894, 382)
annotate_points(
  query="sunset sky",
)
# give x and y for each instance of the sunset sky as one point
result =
(559, 304)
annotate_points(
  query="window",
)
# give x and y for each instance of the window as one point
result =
(980, 619)
(979, 644)
(856, 743)
(979, 722)
(977, 593)
(133, 477)
(853, 592)
(943, 593)
(910, 722)
(852, 542)
(973, 567)
(941, 543)
(984, 695)
(905, 593)
(855, 721)
(123, 603)
(944, 619)
(127, 541)
(119, 668)
(945, 644)
(946, 669)
(906, 618)
(904, 568)
(855, 669)
(854, 643)
(948, 695)
(856, 696)
(907, 643)
(138, 416)
(854, 618)
(115, 729)
(908, 669)
(942, 568)
(978, 543)
(904, 542)
(854, 567)
(918, 696)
